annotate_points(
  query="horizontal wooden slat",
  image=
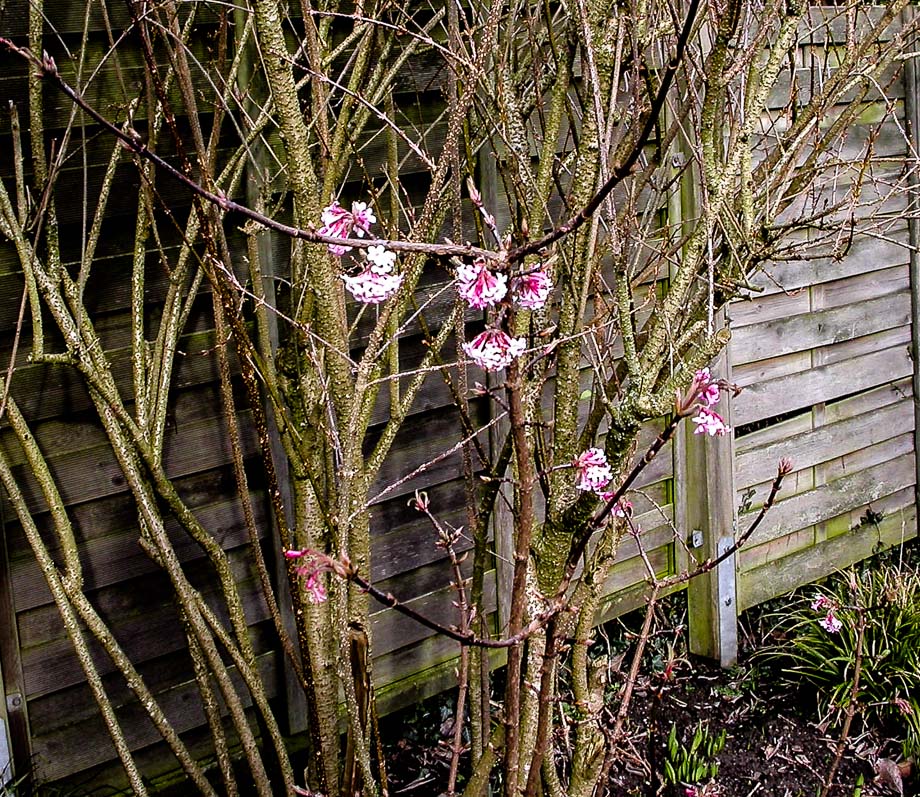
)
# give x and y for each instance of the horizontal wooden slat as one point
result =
(890, 338)
(56, 710)
(795, 391)
(801, 481)
(145, 626)
(756, 465)
(94, 473)
(57, 754)
(814, 562)
(819, 328)
(115, 514)
(751, 558)
(431, 442)
(867, 401)
(829, 500)
(118, 557)
(634, 571)
(867, 253)
(867, 285)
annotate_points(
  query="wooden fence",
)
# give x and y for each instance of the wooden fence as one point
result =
(823, 354)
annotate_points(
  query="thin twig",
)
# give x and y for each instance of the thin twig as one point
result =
(851, 707)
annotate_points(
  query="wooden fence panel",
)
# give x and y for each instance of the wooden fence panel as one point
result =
(823, 353)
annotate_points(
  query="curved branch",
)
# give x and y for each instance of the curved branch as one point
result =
(48, 69)
(623, 169)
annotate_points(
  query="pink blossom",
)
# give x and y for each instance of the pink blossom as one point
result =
(708, 391)
(363, 218)
(376, 283)
(532, 290)
(830, 623)
(381, 256)
(314, 565)
(593, 471)
(479, 286)
(820, 603)
(339, 223)
(493, 350)
(709, 422)
(903, 706)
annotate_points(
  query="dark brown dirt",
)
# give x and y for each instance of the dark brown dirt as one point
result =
(774, 746)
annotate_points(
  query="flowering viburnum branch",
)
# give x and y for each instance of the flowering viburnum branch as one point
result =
(48, 69)
(321, 563)
(340, 223)
(482, 287)
(706, 393)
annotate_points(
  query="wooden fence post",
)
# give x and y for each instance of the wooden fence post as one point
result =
(704, 486)
(15, 741)
(706, 495)
(912, 112)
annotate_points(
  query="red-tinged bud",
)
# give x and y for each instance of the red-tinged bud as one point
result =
(419, 501)
(475, 196)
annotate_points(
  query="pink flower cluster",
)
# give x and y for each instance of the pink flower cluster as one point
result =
(481, 287)
(594, 472)
(830, 622)
(531, 291)
(707, 396)
(494, 349)
(340, 223)
(313, 567)
(377, 282)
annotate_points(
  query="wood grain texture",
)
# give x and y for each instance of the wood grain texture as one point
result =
(834, 498)
(812, 562)
(795, 333)
(806, 387)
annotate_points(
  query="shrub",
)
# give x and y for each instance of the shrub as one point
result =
(820, 640)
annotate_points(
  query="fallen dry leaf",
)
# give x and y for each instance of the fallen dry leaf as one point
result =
(890, 774)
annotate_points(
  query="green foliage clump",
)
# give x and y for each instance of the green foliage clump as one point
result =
(820, 639)
(696, 762)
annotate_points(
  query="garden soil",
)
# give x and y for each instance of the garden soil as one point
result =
(775, 746)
